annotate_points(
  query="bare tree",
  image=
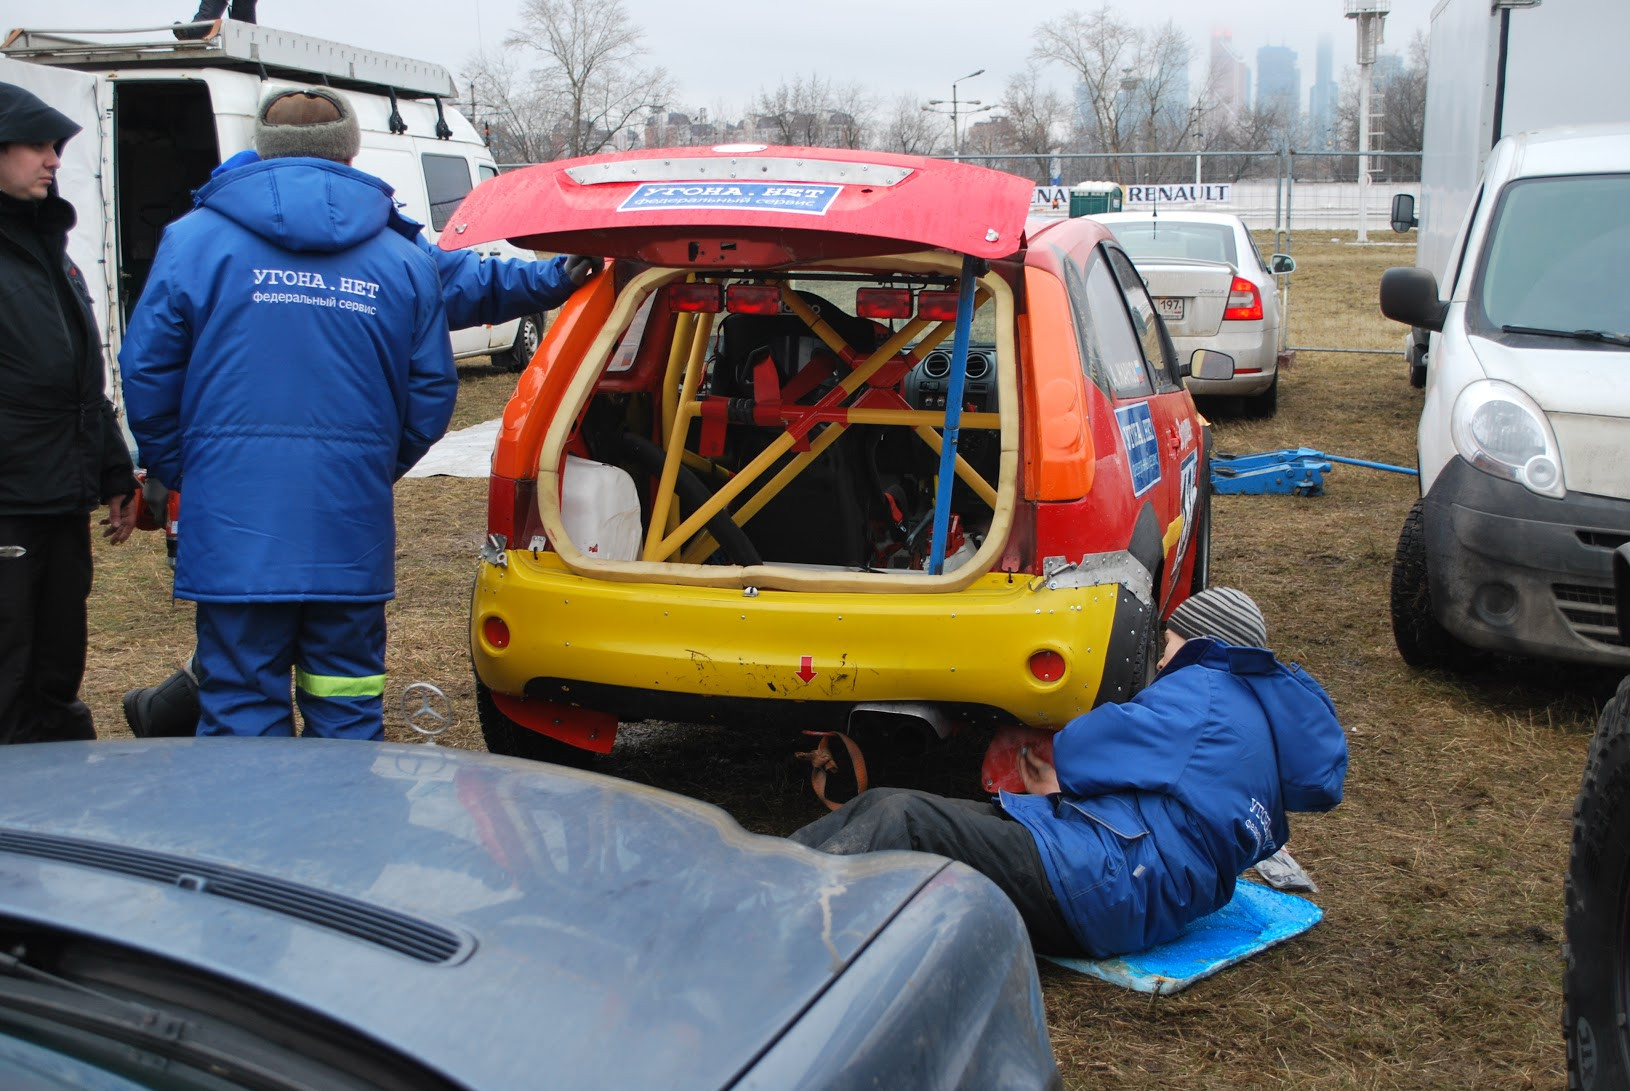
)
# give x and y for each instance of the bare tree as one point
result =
(909, 128)
(1097, 48)
(591, 51)
(1037, 117)
(811, 112)
(1398, 106)
(1258, 129)
(519, 120)
(1128, 82)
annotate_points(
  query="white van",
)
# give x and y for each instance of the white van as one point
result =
(160, 114)
(1525, 427)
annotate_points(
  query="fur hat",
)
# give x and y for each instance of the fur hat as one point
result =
(1223, 613)
(310, 121)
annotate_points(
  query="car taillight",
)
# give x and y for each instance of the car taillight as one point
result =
(512, 510)
(883, 302)
(937, 306)
(495, 632)
(1244, 302)
(753, 299)
(696, 297)
(1047, 666)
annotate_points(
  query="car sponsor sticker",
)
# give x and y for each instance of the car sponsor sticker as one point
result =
(1142, 449)
(1188, 478)
(809, 200)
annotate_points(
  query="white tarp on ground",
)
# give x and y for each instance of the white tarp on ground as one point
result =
(464, 453)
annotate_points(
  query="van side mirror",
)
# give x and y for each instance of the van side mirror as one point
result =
(1403, 213)
(1281, 263)
(1207, 364)
(1410, 295)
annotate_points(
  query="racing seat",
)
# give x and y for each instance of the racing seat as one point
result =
(820, 516)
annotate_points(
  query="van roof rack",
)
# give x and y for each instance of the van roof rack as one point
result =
(228, 43)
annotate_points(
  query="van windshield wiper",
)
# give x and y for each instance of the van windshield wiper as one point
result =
(1607, 337)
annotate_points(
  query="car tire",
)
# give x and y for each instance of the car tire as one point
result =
(528, 336)
(504, 736)
(1422, 641)
(1265, 404)
(1596, 977)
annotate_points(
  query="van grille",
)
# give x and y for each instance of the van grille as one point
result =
(1602, 539)
(373, 924)
(1591, 612)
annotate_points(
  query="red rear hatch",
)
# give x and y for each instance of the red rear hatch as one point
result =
(747, 206)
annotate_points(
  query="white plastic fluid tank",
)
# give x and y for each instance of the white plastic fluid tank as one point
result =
(600, 508)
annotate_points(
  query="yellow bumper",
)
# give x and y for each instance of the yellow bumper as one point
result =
(966, 647)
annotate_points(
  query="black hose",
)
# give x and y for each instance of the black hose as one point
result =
(694, 493)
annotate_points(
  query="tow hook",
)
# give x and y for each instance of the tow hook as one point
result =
(496, 551)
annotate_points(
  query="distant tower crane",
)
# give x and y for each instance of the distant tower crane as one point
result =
(1371, 17)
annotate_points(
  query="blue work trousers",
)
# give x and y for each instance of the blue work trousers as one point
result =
(335, 649)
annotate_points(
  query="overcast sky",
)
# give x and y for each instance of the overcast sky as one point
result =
(723, 53)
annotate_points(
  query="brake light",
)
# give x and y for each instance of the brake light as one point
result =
(1244, 302)
(883, 302)
(495, 632)
(937, 306)
(512, 510)
(1047, 666)
(696, 297)
(753, 299)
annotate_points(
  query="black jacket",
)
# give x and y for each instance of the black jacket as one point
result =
(61, 450)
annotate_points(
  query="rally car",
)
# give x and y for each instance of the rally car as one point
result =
(837, 438)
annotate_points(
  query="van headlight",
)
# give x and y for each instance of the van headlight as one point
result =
(1501, 431)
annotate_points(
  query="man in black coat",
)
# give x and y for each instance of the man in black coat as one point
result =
(61, 451)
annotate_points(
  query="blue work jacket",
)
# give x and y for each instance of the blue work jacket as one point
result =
(287, 362)
(1168, 797)
(477, 291)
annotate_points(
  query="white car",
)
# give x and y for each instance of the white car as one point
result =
(1214, 291)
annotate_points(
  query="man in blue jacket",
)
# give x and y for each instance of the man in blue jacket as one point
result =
(287, 362)
(475, 291)
(1149, 809)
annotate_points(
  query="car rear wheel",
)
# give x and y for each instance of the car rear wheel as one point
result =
(1596, 981)
(1421, 640)
(1265, 404)
(528, 336)
(504, 736)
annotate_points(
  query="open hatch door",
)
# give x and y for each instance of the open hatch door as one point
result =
(747, 206)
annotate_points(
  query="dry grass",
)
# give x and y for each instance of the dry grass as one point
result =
(1438, 963)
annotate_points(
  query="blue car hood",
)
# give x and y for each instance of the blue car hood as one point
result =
(582, 931)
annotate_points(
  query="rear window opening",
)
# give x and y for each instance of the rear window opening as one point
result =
(760, 423)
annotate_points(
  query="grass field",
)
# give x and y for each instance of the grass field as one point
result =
(1439, 961)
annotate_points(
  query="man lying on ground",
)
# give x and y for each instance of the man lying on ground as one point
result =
(1148, 810)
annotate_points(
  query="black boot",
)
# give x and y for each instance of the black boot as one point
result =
(167, 710)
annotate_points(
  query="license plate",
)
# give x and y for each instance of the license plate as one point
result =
(1169, 307)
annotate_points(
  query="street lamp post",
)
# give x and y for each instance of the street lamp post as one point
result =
(956, 139)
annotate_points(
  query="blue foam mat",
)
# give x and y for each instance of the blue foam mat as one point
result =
(1256, 918)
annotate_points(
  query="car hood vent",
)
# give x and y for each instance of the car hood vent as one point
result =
(406, 935)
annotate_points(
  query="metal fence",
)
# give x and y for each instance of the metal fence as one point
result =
(1278, 192)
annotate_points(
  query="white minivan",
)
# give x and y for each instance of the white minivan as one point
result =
(1525, 428)
(159, 115)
